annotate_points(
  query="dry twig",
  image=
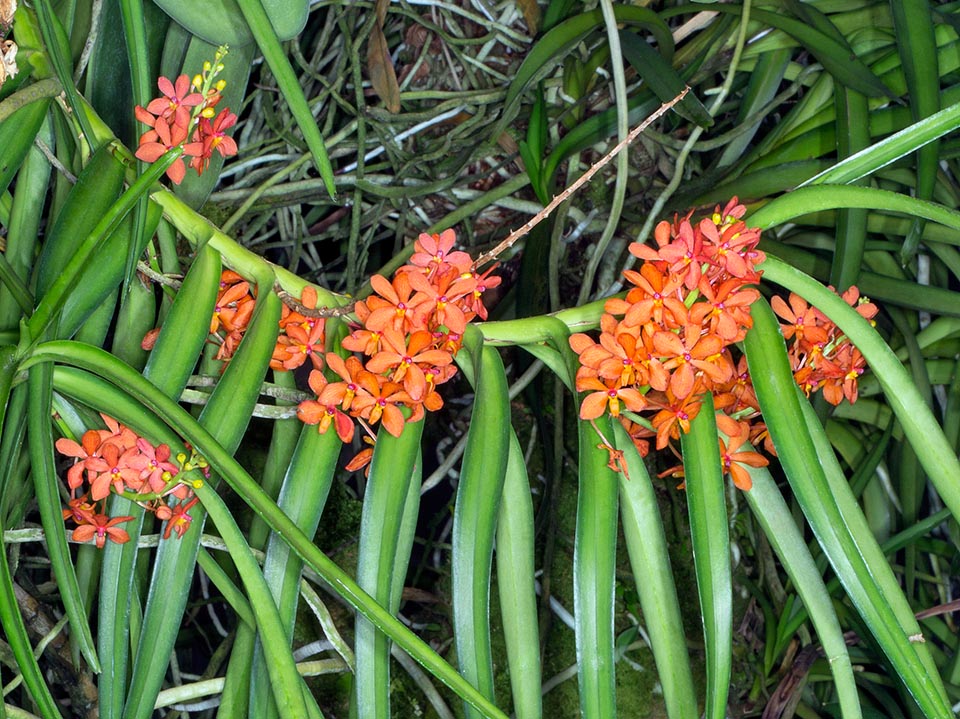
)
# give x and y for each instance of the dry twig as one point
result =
(576, 184)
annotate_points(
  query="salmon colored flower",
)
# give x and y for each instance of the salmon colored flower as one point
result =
(605, 396)
(432, 252)
(164, 137)
(101, 528)
(112, 468)
(177, 100)
(180, 520)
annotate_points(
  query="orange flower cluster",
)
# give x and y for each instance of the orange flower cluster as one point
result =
(116, 459)
(185, 111)
(409, 331)
(667, 342)
(300, 337)
(822, 356)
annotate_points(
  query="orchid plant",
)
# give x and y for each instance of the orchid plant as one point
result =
(720, 352)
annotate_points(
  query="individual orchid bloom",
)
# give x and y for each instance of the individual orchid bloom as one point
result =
(112, 468)
(473, 303)
(300, 345)
(734, 210)
(395, 305)
(213, 136)
(116, 433)
(804, 323)
(726, 309)
(864, 307)
(632, 359)
(443, 292)
(379, 402)
(432, 252)
(308, 298)
(852, 365)
(177, 101)
(325, 416)
(89, 444)
(655, 298)
(682, 254)
(166, 138)
(80, 509)
(725, 247)
(180, 520)
(434, 376)
(737, 393)
(690, 355)
(101, 528)
(675, 414)
(362, 340)
(732, 461)
(154, 464)
(340, 394)
(404, 360)
(233, 308)
(605, 396)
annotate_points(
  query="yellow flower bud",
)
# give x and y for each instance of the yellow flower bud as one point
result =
(220, 85)
(207, 66)
(208, 112)
(198, 81)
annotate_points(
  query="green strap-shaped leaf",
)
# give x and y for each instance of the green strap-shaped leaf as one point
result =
(774, 516)
(662, 78)
(286, 17)
(46, 484)
(710, 539)
(300, 466)
(556, 43)
(594, 564)
(515, 581)
(475, 518)
(391, 472)
(269, 44)
(168, 411)
(66, 281)
(836, 59)
(169, 365)
(917, 46)
(227, 414)
(650, 562)
(833, 514)
(17, 133)
(98, 186)
(15, 631)
(919, 425)
(892, 148)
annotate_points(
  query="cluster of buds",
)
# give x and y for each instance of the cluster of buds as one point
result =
(184, 116)
(408, 332)
(822, 356)
(116, 460)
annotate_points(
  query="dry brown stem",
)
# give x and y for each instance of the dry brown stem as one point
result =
(576, 184)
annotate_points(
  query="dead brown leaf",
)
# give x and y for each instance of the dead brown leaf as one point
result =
(7, 9)
(383, 77)
(531, 14)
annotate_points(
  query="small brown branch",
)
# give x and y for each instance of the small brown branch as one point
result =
(576, 184)
(313, 312)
